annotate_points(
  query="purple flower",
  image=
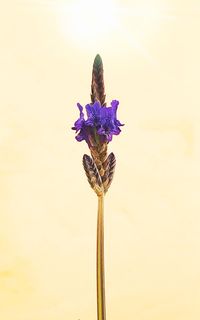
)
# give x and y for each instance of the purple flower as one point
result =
(79, 125)
(101, 123)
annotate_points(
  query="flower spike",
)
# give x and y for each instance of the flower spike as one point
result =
(97, 124)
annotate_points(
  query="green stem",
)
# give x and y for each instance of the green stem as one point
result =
(101, 303)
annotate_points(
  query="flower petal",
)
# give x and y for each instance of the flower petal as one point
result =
(79, 123)
(79, 137)
(101, 131)
(114, 104)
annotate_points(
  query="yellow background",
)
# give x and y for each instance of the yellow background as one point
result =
(47, 210)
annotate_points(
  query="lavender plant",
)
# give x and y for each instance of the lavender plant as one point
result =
(98, 130)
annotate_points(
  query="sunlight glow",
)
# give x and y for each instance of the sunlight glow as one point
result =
(94, 24)
(89, 20)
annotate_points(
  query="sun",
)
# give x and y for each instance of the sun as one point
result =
(87, 21)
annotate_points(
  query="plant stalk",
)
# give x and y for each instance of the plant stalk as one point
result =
(101, 303)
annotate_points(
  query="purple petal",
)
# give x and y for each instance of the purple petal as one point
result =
(118, 123)
(109, 137)
(79, 123)
(114, 104)
(97, 108)
(116, 131)
(101, 131)
(79, 137)
(88, 108)
(89, 123)
(80, 109)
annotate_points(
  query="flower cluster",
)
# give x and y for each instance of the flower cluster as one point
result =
(101, 123)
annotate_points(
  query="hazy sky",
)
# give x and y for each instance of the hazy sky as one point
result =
(150, 50)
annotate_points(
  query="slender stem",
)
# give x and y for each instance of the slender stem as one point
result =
(101, 303)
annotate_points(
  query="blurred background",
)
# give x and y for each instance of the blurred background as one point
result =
(150, 50)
